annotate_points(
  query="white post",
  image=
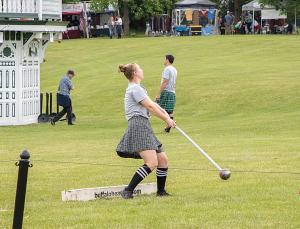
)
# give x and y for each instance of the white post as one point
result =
(13, 6)
(31, 7)
(85, 20)
(152, 23)
(4, 6)
(261, 21)
(9, 7)
(217, 32)
(51, 37)
(179, 17)
(253, 31)
(40, 10)
(20, 6)
(17, 6)
(60, 9)
(24, 6)
(295, 20)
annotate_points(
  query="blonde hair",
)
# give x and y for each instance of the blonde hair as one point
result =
(128, 70)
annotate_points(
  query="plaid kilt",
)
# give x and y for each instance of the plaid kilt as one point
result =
(138, 137)
(167, 101)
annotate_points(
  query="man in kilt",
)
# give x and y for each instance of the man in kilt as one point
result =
(166, 97)
(139, 141)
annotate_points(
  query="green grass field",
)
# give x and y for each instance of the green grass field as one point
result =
(238, 97)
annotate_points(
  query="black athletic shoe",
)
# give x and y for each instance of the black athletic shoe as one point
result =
(71, 124)
(52, 122)
(126, 194)
(162, 194)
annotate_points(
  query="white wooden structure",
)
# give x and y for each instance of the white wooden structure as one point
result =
(41, 9)
(86, 194)
(26, 27)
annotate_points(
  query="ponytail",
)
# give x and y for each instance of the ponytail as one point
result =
(128, 70)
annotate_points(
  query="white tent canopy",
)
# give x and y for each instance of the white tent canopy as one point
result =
(255, 6)
(267, 11)
(272, 14)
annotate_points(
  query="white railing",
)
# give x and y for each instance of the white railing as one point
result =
(47, 8)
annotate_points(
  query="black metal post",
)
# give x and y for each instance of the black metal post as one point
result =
(47, 103)
(21, 189)
(41, 103)
(57, 106)
(50, 103)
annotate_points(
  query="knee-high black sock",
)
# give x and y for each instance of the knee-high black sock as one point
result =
(161, 174)
(139, 175)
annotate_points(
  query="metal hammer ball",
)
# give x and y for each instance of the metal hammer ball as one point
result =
(225, 174)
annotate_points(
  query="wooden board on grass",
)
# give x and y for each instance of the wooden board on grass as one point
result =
(86, 194)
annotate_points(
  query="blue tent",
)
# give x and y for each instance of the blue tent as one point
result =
(192, 5)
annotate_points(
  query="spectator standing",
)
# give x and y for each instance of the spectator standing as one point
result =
(119, 24)
(111, 25)
(228, 23)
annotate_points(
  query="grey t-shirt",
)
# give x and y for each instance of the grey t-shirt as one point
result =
(65, 85)
(134, 95)
(170, 73)
(228, 19)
